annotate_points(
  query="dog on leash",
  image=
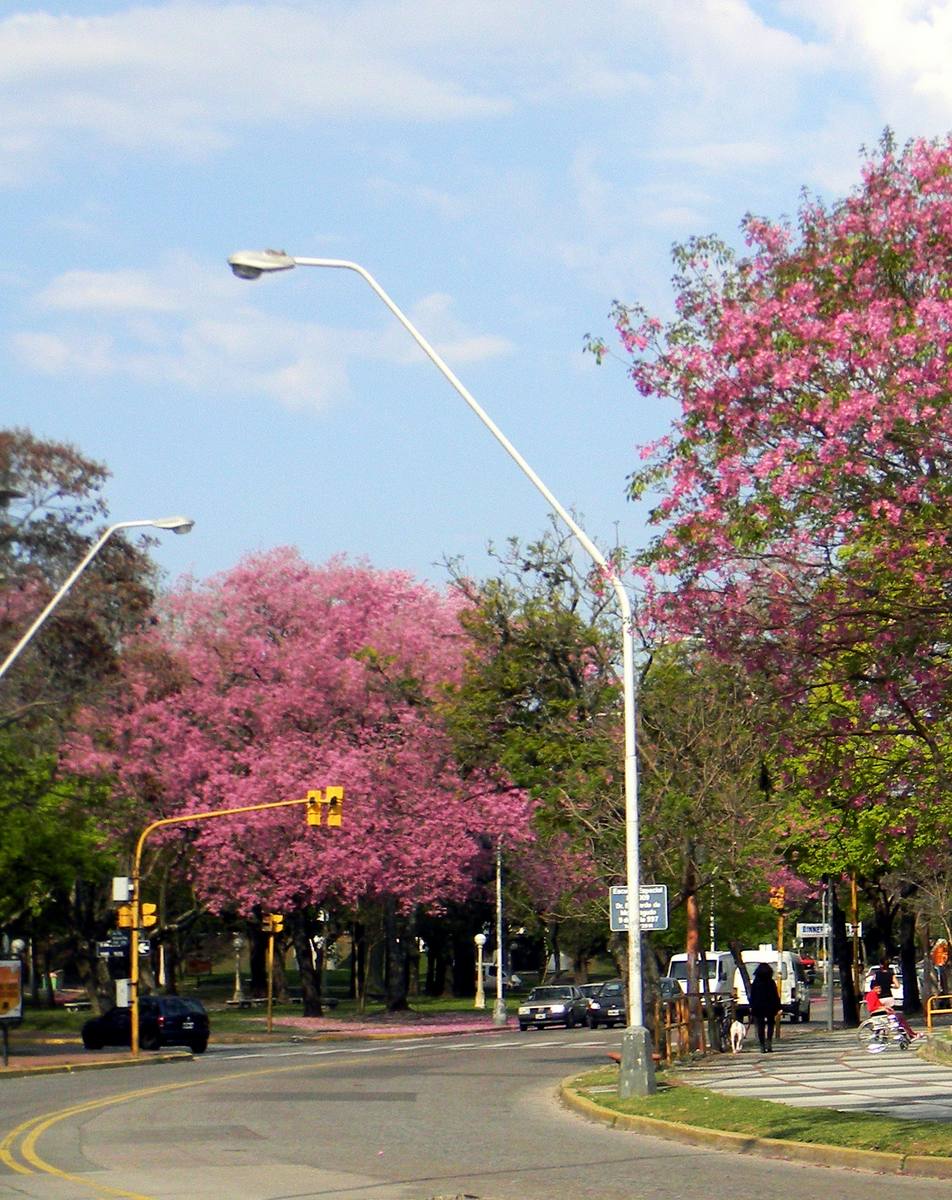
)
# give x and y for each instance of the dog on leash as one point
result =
(738, 1033)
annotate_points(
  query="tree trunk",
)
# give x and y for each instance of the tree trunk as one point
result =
(310, 978)
(843, 957)
(396, 959)
(911, 1000)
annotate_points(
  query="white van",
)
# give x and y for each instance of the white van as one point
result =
(719, 980)
(788, 972)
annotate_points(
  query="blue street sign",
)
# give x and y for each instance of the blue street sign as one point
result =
(652, 912)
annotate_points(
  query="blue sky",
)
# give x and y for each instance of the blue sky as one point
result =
(504, 169)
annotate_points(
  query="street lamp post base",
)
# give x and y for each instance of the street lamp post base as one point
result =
(637, 1077)
(500, 1016)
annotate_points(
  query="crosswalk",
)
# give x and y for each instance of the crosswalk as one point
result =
(812, 1068)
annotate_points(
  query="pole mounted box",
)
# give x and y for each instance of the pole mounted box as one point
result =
(121, 889)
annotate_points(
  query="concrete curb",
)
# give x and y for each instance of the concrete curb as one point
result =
(880, 1162)
(98, 1064)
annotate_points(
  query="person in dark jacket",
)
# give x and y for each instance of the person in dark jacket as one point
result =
(764, 1004)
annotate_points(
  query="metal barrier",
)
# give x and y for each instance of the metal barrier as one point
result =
(937, 1004)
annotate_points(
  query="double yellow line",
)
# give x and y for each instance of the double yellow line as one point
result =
(18, 1147)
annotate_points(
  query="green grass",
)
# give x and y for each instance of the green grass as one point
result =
(690, 1105)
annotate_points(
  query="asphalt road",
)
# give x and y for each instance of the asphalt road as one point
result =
(386, 1120)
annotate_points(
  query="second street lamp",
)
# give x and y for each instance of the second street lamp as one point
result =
(175, 524)
(637, 1069)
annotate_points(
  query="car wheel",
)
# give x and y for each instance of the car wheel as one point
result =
(805, 1016)
(150, 1040)
(523, 1027)
(592, 1023)
(200, 1045)
(570, 1021)
(91, 1042)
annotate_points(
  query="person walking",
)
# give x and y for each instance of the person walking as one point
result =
(764, 1005)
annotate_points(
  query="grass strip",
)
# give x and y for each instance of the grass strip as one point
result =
(689, 1105)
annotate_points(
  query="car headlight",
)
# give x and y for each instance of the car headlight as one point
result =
(556, 1008)
(523, 1011)
(594, 1004)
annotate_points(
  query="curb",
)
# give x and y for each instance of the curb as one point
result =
(99, 1064)
(876, 1161)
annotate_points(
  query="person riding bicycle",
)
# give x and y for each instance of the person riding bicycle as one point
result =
(874, 1004)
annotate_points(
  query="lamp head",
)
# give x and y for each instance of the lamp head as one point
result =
(480, 940)
(251, 264)
(176, 524)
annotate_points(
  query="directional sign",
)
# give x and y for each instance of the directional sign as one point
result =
(817, 930)
(652, 912)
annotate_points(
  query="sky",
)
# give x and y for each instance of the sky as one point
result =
(505, 170)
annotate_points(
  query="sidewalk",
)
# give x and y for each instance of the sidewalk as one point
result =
(815, 1068)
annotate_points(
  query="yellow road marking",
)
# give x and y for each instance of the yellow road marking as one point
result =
(32, 1130)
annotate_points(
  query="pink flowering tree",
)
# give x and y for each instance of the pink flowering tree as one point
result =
(277, 678)
(804, 511)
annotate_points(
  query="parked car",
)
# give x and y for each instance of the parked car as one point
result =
(589, 991)
(163, 1021)
(718, 980)
(809, 967)
(558, 1004)
(509, 979)
(607, 1006)
(788, 975)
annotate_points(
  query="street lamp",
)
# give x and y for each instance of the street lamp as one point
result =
(176, 524)
(637, 1069)
(238, 943)
(499, 1008)
(480, 940)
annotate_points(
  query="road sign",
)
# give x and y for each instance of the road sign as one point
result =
(818, 930)
(652, 912)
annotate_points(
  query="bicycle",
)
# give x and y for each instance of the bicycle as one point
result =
(880, 1031)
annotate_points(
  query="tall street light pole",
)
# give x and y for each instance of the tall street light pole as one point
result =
(637, 1068)
(176, 524)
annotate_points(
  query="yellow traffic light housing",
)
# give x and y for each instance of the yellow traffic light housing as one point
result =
(334, 799)
(314, 802)
(124, 916)
(147, 915)
(277, 922)
(777, 897)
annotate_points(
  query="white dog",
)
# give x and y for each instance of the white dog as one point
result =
(738, 1033)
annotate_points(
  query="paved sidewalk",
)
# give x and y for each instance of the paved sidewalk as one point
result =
(813, 1068)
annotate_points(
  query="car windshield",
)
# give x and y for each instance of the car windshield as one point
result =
(544, 994)
(679, 969)
(590, 989)
(612, 989)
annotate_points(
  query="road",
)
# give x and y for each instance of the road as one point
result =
(407, 1119)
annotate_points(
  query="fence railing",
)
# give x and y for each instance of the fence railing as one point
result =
(937, 1004)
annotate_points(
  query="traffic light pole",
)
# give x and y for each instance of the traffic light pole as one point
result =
(334, 801)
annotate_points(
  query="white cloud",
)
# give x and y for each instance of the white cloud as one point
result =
(192, 326)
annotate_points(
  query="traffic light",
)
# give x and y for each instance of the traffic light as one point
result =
(314, 802)
(777, 895)
(274, 922)
(147, 915)
(124, 916)
(334, 799)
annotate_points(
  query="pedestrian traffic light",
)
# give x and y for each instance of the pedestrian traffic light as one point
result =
(334, 798)
(314, 802)
(147, 915)
(124, 916)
